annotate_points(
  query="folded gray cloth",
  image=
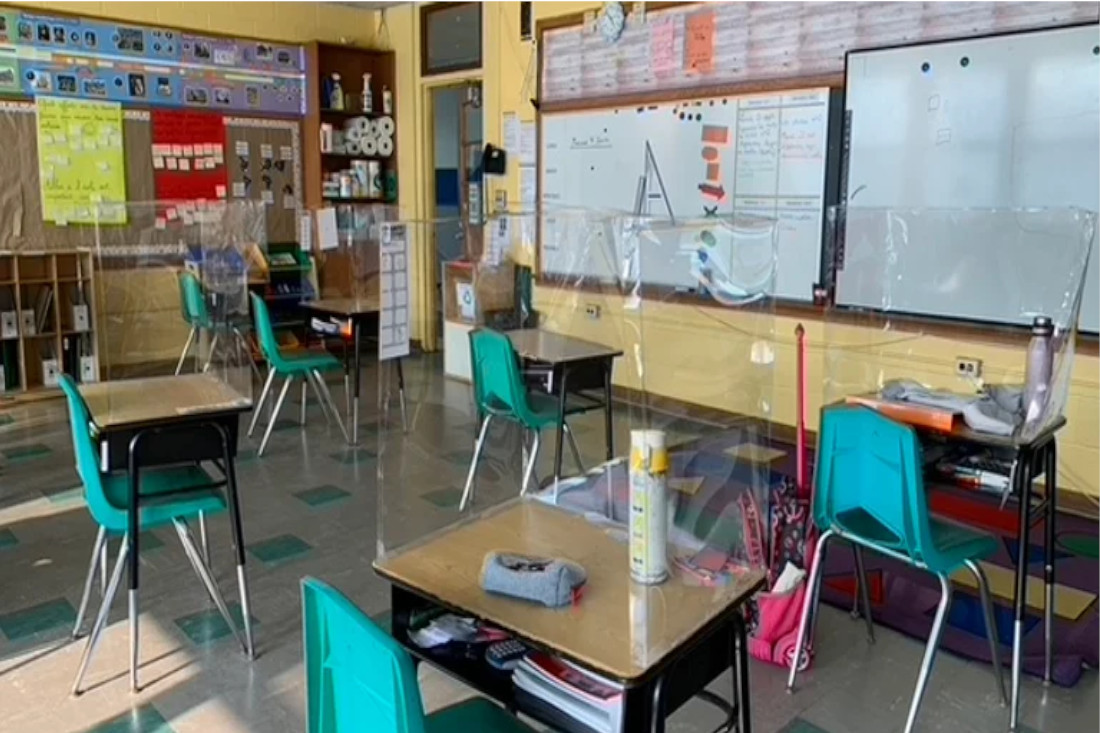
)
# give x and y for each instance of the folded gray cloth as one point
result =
(548, 581)
(997, 410)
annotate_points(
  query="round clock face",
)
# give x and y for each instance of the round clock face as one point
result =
(612, 19)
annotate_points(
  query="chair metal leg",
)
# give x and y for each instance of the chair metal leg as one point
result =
(320, 399)
(186, 349)
(246, 612)
(929, 652)
(263, 398)
(573, 447)
(808, 602)
(246, 352)
(990, 628)
(302, 405)
(326, 397)
(202, 539)
(104, 568)
(468, 491)
(205, 577)
(347, 395)
(274, 415)
(210, 357)
(864, 592)
(530, 470)
(97, 553)
(101, 617)
(132, 603)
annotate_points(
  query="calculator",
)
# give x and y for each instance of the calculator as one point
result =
(505, 654)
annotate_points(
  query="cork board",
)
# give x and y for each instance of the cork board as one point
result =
(21, 224)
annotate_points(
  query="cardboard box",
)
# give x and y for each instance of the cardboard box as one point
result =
(51, 372)
(9, 325)
(88, 370)
(80, 318)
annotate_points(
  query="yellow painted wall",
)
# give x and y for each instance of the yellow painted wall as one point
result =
(294, 22)
(704, 355)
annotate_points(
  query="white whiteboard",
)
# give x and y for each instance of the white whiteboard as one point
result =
(772, 163)
(1005, 121)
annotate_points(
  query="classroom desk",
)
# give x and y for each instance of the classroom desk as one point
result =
(688, 634)
(569, 366)
(155, 421)
(1030, 459)
(357, 311)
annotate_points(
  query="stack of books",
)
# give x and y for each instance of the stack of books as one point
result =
(572, 699)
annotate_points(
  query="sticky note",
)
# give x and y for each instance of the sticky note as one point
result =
(267, 197)
(158, 163)
(170, 164)
(177, 150)
(219, 191)
(238, 189)
(188, 150)
(160, 223)
(171, 214)
(266, 151)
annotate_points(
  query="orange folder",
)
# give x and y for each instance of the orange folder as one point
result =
(906, 412)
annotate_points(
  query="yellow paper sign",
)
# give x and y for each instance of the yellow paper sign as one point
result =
(81, 164)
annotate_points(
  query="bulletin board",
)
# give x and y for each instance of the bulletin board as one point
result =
(22, 226)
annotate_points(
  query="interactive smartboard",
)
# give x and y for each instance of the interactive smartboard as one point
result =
(760, 155)
(1008, 121)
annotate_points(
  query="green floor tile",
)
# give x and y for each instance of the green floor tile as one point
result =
(7, 539)
(321, 495)
(24, 453)
(798, 725)
(246, 456)
(353, 455)
(443, 498)
(1080, 545)
(278, 550)
(38, 620)
(6, 419)
(208, 626)
(144, 719)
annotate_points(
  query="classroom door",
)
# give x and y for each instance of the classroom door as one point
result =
(456, 190)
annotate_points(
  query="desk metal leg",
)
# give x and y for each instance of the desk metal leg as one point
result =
(355, 408)
(608, 421)
(1051, 470)
(657, 711)
(561, 424)
(238, 541)
(347, 381)
(133, 533)
(740, 663)
(1023, 490)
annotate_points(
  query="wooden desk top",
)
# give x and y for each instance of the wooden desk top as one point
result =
(139, 402)
(539, 345)
(346, 307)
(619, 628)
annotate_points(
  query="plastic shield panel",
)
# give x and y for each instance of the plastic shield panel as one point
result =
(652, 498)
(906, 281)
(173, 289)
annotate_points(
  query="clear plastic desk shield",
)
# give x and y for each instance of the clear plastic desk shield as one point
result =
(172, 285)
(921, 314)
(660, 497)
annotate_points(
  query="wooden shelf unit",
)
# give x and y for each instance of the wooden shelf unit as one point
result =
(38, 291)
(350, 62)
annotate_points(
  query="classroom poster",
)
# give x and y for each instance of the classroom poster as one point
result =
(188, 155)
(393, 326)
(699, 42)
(81, 163)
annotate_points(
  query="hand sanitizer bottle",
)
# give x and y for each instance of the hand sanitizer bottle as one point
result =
(337, 100)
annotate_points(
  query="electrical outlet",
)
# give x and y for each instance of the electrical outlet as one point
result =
(592, 311)
(968, 368)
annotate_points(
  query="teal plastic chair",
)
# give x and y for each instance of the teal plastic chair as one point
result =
(499, 391)
(307, 366)
(197, 316)
(869, 490)
(175, 495)
(359, 679)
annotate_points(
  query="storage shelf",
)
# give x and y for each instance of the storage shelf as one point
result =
(70, 332)
(357, 199)
(351, 113)
(47, 335)
(36, 281)
(360, 156)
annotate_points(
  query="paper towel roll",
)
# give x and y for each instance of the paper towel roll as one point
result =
(363, 124)
(369, 146)
(353, 147)
(374, 128)
(353, 134)
(385, 126)
(385, 146)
